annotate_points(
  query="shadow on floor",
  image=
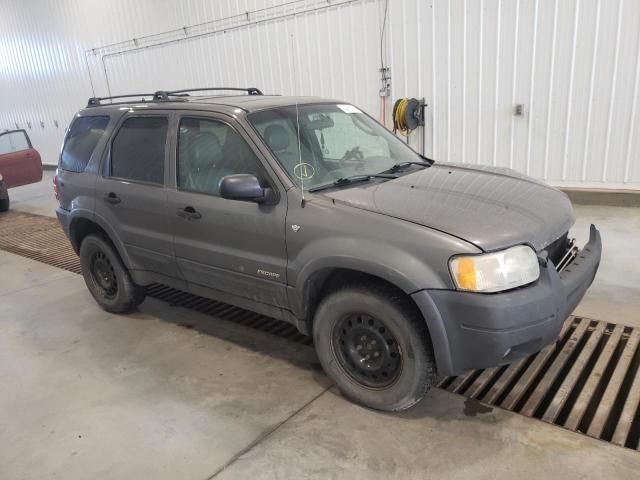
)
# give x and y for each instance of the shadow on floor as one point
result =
(297, 354)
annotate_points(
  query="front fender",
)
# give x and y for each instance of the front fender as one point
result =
(322, 235)
(393, 265)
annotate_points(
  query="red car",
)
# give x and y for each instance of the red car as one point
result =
(20, 163)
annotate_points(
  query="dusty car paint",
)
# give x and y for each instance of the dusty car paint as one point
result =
(491, 208)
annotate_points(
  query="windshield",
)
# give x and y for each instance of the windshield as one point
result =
(336, 141)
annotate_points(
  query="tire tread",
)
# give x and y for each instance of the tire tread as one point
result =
(411, 314)
(133, 294)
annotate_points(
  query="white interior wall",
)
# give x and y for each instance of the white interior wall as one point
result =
(573, 64)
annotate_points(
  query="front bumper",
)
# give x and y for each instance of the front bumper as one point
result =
(476, 330)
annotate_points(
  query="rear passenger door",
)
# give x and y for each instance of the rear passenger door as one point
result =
(130, 192)
(234, 247)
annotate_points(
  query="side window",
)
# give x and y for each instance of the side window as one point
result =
(13, 142)
(81, 141)
(281, 137)
(138, 150)
(209, 150)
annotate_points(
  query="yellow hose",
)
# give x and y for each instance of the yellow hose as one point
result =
(399, 114)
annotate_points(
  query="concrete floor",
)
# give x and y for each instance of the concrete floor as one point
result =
(615, 293)
(92, 395)
(35, 198)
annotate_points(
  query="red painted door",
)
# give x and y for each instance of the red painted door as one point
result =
(20, 163)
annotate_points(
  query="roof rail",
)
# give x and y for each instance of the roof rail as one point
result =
(95, 101)
(163, 95)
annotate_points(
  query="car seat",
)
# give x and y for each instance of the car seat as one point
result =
(278, 140)
(204, 153)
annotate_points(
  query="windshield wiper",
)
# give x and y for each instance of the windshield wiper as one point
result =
(402, 165)
(353, 179)
(428, 160)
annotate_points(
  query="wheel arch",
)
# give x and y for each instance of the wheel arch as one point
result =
(322, 281)
(82, 225)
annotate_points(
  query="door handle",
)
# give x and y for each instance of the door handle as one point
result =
(112, 198)
(189, 213)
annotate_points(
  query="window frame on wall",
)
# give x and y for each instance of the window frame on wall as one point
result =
(268, 179)
(107, 167)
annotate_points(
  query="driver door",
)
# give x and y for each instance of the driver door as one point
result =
(235, 248)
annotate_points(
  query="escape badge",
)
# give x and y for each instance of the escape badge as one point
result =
(304, 171)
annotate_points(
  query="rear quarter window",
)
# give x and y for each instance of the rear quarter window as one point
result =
(81, 141)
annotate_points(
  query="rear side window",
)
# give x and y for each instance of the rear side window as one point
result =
(81, 141)
(138, 150)
(15, 141)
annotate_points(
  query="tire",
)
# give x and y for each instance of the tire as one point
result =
(385, 322)
(107, 278)
(4, 204)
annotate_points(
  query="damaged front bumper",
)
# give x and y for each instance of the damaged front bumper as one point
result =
(477, 330)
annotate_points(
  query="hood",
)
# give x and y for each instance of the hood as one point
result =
(490, 207)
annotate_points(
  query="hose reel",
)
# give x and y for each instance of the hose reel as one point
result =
(408, 114)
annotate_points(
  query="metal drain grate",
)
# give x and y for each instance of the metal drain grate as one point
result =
(37, 237)
(589, 381)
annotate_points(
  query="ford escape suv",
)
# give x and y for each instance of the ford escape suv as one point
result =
(308, 210)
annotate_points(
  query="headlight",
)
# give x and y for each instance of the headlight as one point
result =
(494, 272)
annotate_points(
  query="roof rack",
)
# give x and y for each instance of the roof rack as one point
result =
(95, 101)
(164, 95)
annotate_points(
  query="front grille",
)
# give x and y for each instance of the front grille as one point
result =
(557, 249)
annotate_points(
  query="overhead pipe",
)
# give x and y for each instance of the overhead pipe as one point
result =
(183, 31)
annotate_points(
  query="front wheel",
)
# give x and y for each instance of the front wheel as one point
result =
(373, 343)
(107, 278)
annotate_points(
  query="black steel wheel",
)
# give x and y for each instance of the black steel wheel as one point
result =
(106, 276)
(367, 350)
(373, 343)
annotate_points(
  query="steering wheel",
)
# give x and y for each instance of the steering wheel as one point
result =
(352, 157)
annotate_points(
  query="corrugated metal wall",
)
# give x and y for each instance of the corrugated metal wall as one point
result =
(572, 64)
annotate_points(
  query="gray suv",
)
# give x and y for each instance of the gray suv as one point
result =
(308, 210)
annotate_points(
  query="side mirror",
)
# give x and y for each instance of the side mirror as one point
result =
(245, 187)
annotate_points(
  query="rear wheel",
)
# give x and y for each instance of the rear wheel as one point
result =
(373, 343)
(107, 278)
